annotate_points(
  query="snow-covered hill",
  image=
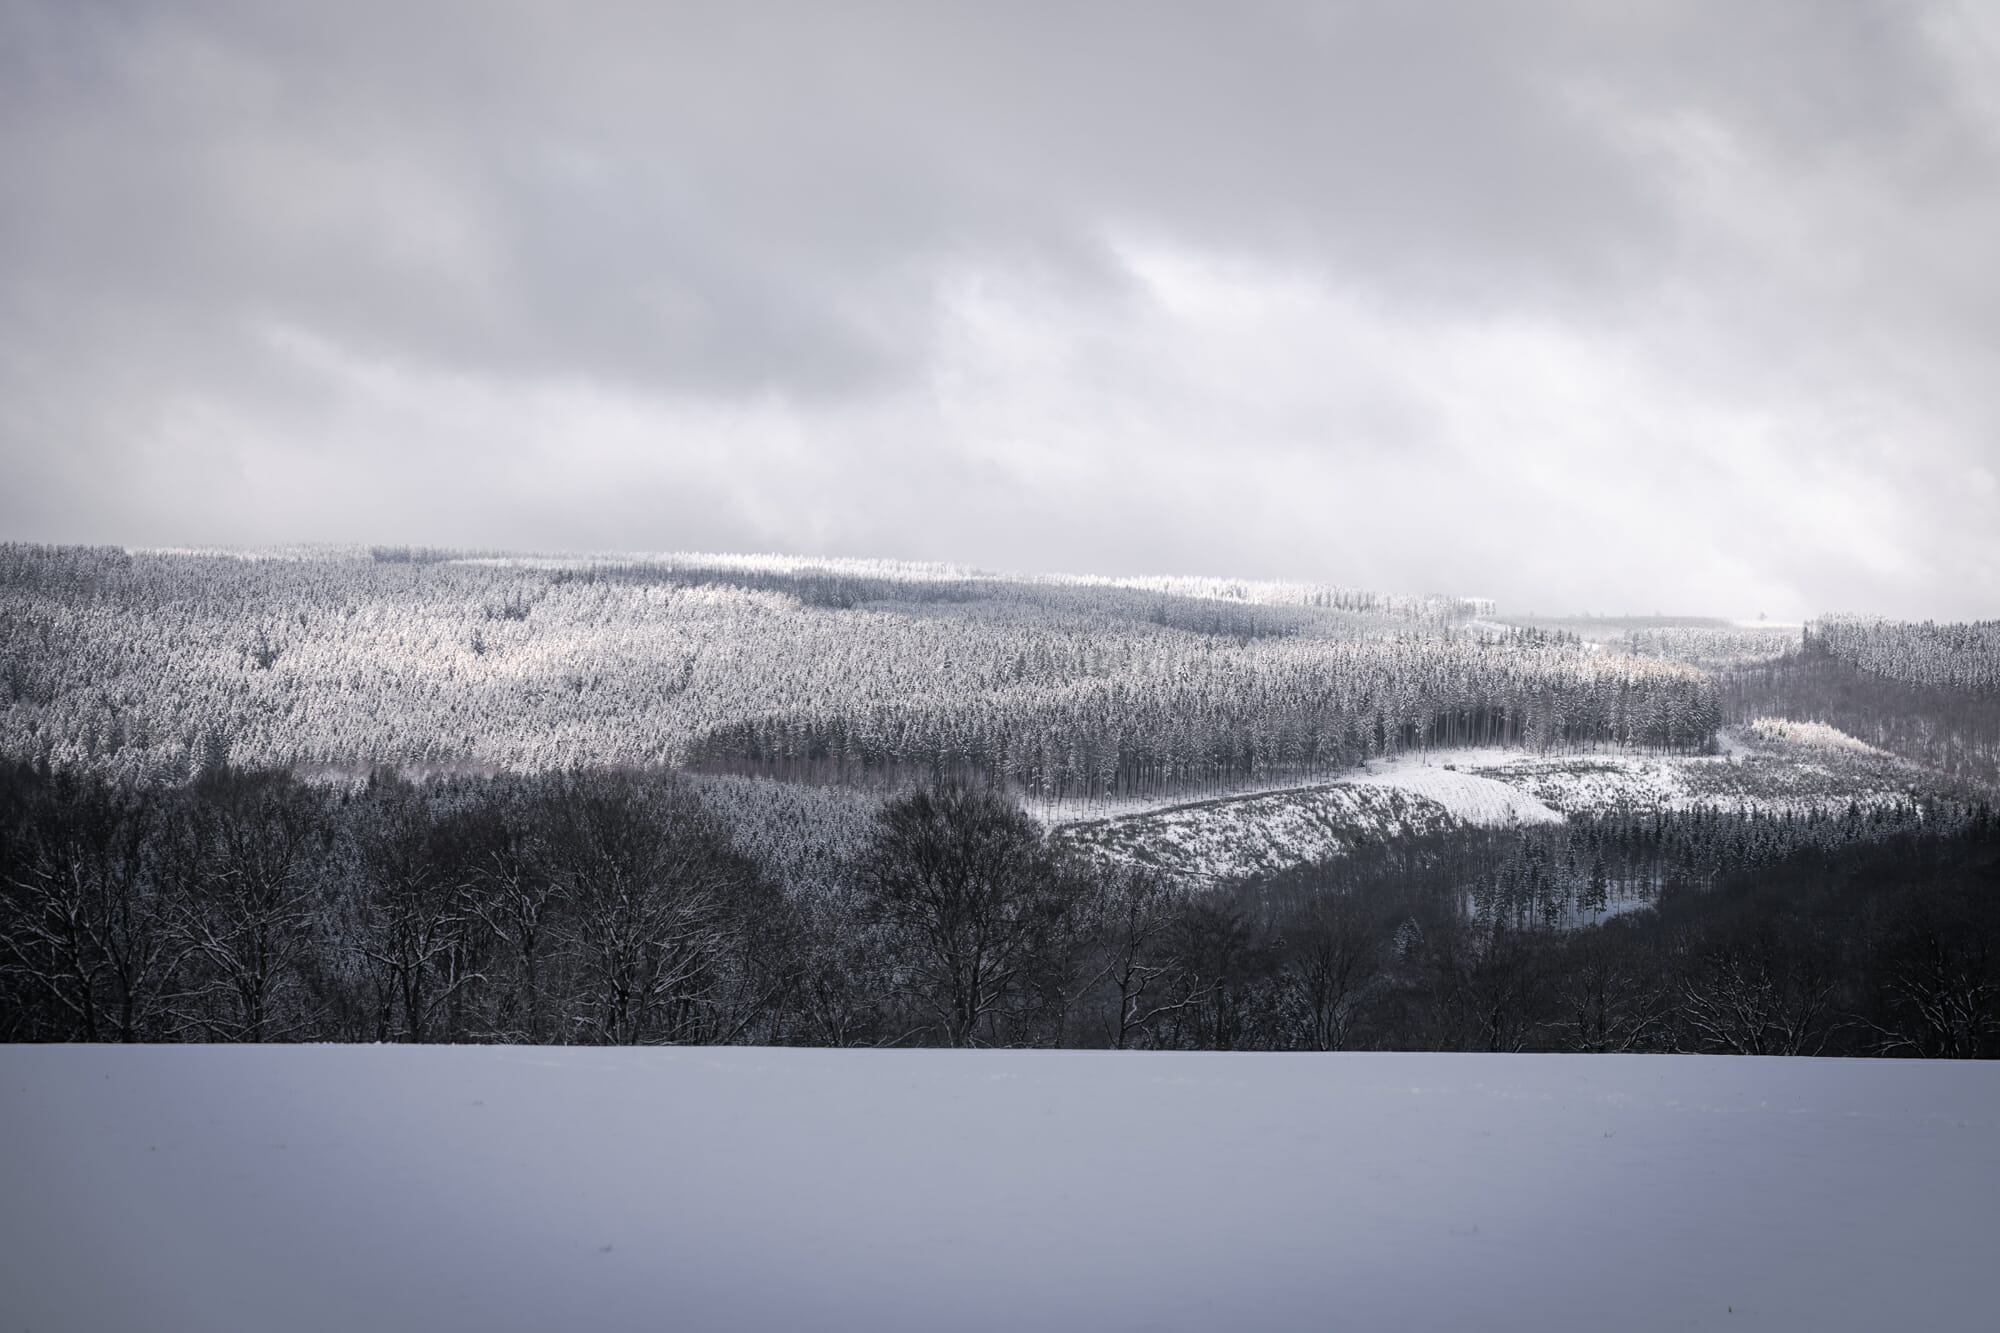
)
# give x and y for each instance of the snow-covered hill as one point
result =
(436, 1188)
(156, 666)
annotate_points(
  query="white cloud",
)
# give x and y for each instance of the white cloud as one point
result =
(1587, 311)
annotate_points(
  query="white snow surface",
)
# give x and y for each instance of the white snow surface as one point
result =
(427, 1188)
(1469, 797)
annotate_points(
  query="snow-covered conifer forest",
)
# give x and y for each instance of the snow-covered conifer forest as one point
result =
(415, 795)
(152, 664)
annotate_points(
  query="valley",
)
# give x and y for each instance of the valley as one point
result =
(396, 794)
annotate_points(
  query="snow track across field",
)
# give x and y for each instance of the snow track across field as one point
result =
(433, 1188)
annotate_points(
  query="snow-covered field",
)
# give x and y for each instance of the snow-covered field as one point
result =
(386, 1188)
(1769, 767)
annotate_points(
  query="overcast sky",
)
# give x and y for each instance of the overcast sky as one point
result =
(1592, 307)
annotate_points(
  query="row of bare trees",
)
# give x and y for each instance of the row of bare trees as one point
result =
(617, 908)
(254, 908)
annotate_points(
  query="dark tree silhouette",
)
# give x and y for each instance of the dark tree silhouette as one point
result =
(970, 899)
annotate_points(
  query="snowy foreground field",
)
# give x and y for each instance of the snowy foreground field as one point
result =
(301, 1188)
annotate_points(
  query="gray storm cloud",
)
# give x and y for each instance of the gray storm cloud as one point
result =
(1584, 307)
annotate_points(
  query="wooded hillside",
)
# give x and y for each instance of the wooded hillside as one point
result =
(162, 665)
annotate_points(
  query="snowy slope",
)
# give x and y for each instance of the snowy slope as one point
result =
(1770, 767)
(1268, 831)
(388, 1188)
(1246, 835)
(1471, 798)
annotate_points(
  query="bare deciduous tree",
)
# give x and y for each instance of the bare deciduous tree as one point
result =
(1329, 959)
(244, 854)
(649, 889)
(414, 907)
(86, 922)
(962, 882)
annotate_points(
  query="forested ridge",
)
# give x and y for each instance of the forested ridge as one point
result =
(1953, 656)
(1927, 692)
(158, 666)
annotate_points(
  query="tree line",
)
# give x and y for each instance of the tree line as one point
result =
(1964, 656)
(621, 907)
(1193, 723)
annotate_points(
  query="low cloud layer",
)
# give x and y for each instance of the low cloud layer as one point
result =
(1582, 307)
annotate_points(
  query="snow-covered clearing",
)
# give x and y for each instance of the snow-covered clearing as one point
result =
(1814, 734)
(1244, 835)
(305, 1188)
(1770, 767)
(1469, 797)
